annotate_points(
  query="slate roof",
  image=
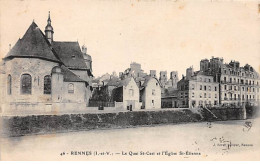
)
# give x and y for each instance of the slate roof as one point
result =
(146, 80)
(33, 45)
(70, 54)
(124, 82)
(69, 76)
(113, 82)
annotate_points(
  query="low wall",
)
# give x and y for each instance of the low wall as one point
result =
(41, 124)
(223, 114)
(227, 113)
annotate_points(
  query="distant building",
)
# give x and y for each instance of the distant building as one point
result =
(153, 73)
(42, 75)
(171, 83)
(170, 98)
(134, 71)
(163, 78)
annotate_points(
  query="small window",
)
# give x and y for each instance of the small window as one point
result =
(209, 88)
(9, 85)
(47, 84)
(71, 88)
(153, 92)
(205, 88)
(193, 94)
(216, 89)
(26, 84)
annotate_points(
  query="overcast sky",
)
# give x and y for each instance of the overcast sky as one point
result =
(160, 35)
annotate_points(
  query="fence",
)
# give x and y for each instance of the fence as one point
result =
(93, 103)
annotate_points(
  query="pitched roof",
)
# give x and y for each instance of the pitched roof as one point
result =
(69, 76)
(124, 82)
(33, 45)
(113, 82)
(146, 80)
(70, 54)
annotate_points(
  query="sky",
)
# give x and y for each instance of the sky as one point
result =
(160, 35)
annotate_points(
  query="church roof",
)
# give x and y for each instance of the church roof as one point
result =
(33, 45)
(70, 54)
(69, 76)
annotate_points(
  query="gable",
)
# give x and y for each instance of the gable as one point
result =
(33, 45)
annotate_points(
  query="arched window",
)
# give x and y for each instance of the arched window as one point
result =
(26, 84)
(9, 85)
(71, 88)
(47, 84)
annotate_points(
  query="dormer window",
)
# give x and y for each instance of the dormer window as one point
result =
(73, 56)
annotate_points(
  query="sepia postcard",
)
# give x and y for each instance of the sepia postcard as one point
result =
(130, 80)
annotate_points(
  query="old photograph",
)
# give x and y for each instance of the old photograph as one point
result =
(131, 80)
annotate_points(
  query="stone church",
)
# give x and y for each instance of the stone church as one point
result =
(40, 75)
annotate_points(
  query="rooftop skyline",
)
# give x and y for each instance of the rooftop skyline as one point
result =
(162, 36)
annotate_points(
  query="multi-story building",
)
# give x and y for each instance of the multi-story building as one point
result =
(197, 89)
(238, 85)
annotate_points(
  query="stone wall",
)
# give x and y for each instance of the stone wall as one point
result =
(41, 124)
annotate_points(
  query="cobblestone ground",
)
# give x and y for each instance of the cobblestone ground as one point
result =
(236, 140)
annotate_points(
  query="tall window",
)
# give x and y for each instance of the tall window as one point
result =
(9, 85)
(71, 88)
(47, 84)
(131, 92)
(26, 84)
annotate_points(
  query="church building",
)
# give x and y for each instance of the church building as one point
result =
(42, 76)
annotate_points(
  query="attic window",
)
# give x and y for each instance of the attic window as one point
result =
(73, 56)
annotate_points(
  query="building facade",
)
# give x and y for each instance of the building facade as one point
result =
(198, 90)
(150, 93)
(127, 92)
(239, 86)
